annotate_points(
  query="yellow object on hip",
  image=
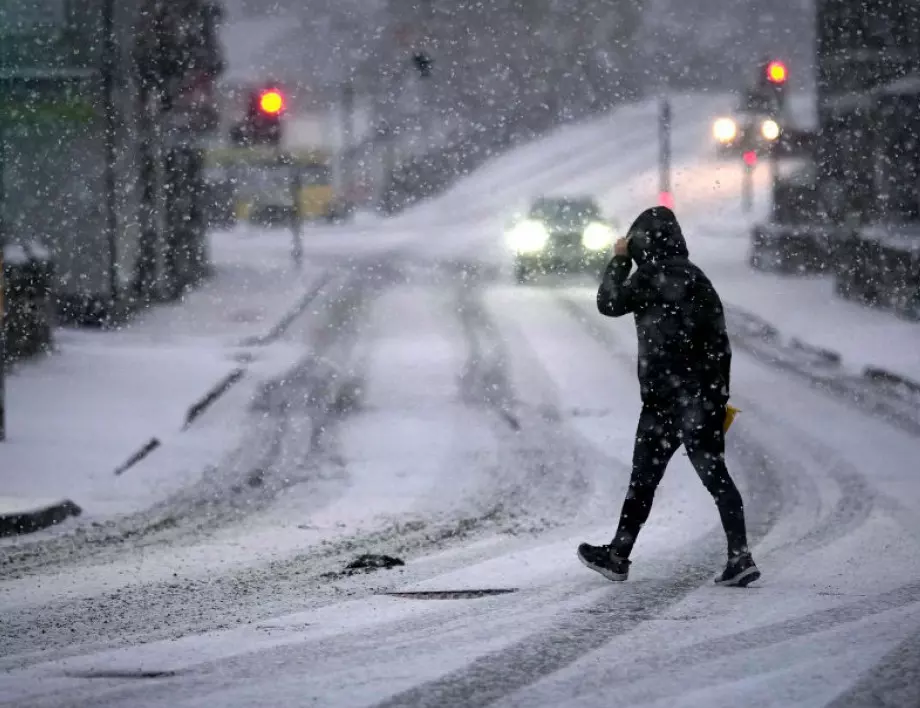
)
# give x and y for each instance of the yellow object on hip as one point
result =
(730, 413)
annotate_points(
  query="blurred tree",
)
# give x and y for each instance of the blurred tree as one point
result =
(496, 62)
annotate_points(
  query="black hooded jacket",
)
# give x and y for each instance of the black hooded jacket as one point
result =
(683, 346)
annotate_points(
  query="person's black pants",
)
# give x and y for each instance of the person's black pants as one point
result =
(662, 429)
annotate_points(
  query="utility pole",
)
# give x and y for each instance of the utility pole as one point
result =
(747, 180)
(774, 174)
(296, 214)
(109, 67)
(665, 195)
(348, 121)
(2, 283)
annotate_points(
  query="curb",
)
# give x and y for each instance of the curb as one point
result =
(226, 383)
(827, 356)
(875, 375)
(219, 389)
(290, 316)
(753, 325)
(147, 448)
(884, 376)
(278, 329)
(37, 518)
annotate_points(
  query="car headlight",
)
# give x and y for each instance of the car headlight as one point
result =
(597, 237)
(528, 237)
(769, 129)
(724, 130)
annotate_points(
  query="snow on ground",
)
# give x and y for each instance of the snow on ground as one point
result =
(404, 392)
(807, 633)
(474, 393)
(78, 414)
(413, 447)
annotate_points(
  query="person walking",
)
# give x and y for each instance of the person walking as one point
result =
(684, 379)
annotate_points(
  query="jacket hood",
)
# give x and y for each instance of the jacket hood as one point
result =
(656, 236)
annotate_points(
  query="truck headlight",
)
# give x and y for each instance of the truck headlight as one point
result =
(724, 130)
(528, 237)
(769, 129)
(597, 237)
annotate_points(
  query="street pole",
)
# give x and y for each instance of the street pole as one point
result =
(747, 196)
(296, 216)
(774, 176)
(109, 67)
(747, 181)
(2, 284)
(665, 196)
(422, 116)
(2, 325)
(348, 110)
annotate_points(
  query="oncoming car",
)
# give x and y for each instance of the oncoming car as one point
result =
(746, 131)
(760, 122)
(560, 234)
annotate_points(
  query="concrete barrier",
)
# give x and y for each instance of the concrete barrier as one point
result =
(30, 319)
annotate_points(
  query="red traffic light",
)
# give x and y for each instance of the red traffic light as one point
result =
(750, 158)
(777, 72)
(271, 102)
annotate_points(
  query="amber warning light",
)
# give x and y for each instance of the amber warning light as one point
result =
(776, 72)
(271, 102)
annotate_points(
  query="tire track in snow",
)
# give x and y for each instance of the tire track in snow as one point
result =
(550, 598)
(654, 672)
(251, 475)
(534, 422)
(498, 675)
(485, 378)
(285, 447)
(855, 503)
(856, 499)
(573, 636)
(539, 485)
(542, 489)
(551, 478)
(893, 683)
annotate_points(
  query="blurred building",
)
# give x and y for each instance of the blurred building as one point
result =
(868, 60)
(105, 107)
(868, 163)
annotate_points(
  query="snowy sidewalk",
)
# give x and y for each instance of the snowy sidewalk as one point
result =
(147, 391)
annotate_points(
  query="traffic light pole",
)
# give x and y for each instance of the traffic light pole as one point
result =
(109, 69)
(665, 195)
(296, 217)
(348, 111)
(2, 287)
(2, 324)
(774, 175)
(747, 186)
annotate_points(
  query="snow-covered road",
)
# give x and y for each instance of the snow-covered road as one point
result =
(479, 431)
